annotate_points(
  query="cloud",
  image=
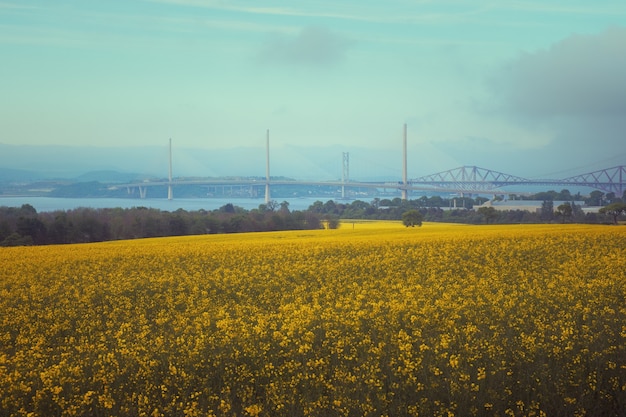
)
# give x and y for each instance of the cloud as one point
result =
(313, 46)
(580, 76)
(576, 90)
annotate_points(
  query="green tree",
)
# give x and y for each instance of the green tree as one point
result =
(332, 222)
(564, 195)
(412, 218)
(595, 198)
(547, 210)
(317, 207)
(489, 213)
(284, 207)
(15, 239)
(330, 207)
(611, 197)
(33, 227)
(614, 209)
(272, 205)
(312, 221)
(565, 211)
(546, 195)
(227, 208)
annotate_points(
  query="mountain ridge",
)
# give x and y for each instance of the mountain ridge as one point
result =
(87, 163)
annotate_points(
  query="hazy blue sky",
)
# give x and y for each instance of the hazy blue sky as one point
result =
(488, 83)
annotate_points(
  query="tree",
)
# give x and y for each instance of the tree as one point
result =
(577, 211)
(27, 210)
(332, 222)
(610, 197)
(330, 207)
(595, 198)
(412, 218)
(312, 221)
(547, 195)
(272, 205)
(565, 195)
(33, 227)
(614, 209)
(547, 210)
(227, 208)
(489, 213)
(564, 210)
(317, 207)
(15, 239)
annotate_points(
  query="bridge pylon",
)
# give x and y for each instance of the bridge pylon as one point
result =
(267, 167)
(405, 191)
(345, 173)
(170, 193)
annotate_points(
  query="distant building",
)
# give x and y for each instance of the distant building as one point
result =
(534, 206)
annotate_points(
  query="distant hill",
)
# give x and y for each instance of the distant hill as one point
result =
(12, 175)
(109, 176)
(119, 164)
(55, 162)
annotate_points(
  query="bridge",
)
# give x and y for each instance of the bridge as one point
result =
(462, 180)
(473, 179)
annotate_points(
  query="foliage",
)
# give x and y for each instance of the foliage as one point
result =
(565, 211)
(24, 226)
(489, 213)
(614, 210)
(367, 320)
(412, 218)
(547, 210)
(439, 210)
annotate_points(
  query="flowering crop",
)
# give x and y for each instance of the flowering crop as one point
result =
(370, 319)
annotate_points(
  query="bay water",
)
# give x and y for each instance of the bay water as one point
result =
(47, 204)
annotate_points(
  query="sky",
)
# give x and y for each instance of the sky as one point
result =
(531, 88)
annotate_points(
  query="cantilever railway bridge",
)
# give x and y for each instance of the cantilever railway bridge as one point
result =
(473, 179)
(463, 180)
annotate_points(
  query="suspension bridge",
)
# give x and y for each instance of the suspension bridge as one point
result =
(462, 180)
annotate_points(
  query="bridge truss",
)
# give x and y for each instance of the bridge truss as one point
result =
(473, 179)
(469, 178)
(609, 180)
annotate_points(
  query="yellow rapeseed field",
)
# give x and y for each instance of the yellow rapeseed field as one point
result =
(372, 319)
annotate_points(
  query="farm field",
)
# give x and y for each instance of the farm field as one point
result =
(371, 319)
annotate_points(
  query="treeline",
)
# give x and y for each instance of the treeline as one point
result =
(436, 209)
(24, 226)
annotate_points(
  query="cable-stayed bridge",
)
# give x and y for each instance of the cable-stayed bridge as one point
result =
(462, 180)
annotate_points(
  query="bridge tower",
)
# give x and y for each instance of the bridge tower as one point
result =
(267, 167)
(170, 194)
(404, 170)
(345, 173)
